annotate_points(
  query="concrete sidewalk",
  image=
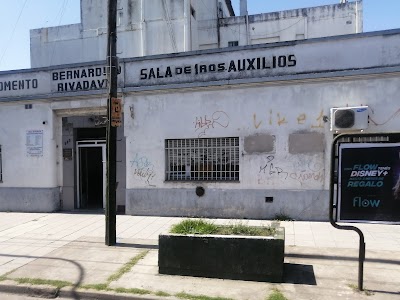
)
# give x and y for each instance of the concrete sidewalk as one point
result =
(40, 251)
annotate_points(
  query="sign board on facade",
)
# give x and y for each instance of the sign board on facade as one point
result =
(369, 182)
(291, 60)
(34, 142)
(116, 112)
(79, 79)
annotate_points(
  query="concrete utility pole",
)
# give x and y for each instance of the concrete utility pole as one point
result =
(111, 130)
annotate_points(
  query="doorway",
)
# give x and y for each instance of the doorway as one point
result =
(91, 174)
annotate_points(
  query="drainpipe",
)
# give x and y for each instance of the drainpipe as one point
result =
(187, 30)
(243, 7)
(247, 29)
(245, 13)
(219, 10)
(143, 28)
(356, 16)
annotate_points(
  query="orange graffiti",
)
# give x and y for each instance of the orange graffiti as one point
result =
(281, 120)
(320, 121)
(256, 125)
(301, 119)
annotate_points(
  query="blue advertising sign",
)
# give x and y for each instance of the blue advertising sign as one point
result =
(369, 182)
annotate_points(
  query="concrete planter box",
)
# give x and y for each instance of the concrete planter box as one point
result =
(223, 256)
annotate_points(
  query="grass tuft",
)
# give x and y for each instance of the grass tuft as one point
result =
(198, 297)
(283, 217)
(97, 287)
(4, 276)
(365, 292)
(132, 291)
(353, 286)
(276, 295)
(162, 294)
(241, 229)
(192, 226)
(36, 281)
(127, 267)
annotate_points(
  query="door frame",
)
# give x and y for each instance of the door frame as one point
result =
(90, 144)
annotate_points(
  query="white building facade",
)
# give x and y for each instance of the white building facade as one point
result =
(242, 132)
(234, 132)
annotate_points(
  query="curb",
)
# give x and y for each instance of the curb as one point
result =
(43, 291)
(69, 292)
(51, 292)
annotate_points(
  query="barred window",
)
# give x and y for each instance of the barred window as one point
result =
(207, 159)
(1, 167)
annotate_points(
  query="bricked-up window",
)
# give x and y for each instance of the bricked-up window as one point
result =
(1, 167)
(208, 159)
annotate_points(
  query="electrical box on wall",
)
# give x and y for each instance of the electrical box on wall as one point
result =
(349, 118)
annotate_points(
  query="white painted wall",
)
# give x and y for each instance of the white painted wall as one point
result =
(296, 24)
(276, 110)
(145, 28)
(171, 116)
(19, 168)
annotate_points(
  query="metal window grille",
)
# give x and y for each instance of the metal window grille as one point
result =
(1, 167)
(208, 159)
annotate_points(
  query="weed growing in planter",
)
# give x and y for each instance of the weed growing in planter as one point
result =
(191, 226)
(241, 229)
(200, 226)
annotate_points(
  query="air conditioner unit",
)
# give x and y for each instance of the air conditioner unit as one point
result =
(349, 118)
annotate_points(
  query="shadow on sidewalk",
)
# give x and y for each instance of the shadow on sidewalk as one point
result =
(75, 285)
(385, 292)
(299, 274)
(140, 246)
(343, 258)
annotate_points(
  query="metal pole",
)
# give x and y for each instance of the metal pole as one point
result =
(361, 259)
(361, 253)
(111, 131)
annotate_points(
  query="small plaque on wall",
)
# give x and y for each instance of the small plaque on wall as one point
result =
(67, 154)
(34, 143)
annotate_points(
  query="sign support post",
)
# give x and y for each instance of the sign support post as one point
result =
(365, 167)
(361, 252)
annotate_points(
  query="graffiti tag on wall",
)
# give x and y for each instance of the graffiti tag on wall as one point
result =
(217, 119)
(280, 119)
(270, 169)
(143, 169)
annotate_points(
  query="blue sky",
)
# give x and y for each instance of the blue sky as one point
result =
(18, 16)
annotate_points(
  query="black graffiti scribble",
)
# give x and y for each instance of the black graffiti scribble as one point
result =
(218, 118)
(271, 169)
